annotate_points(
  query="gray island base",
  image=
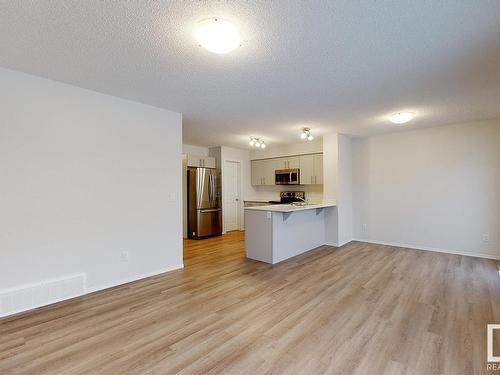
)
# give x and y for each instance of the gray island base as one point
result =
(278, 232)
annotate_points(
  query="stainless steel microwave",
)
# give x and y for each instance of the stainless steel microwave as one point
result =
(287, 176)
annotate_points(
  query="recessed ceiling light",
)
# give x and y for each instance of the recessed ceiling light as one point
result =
(401, 117)
(218, 35)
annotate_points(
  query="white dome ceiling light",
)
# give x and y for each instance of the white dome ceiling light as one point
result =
(218, 35)
(401, 117)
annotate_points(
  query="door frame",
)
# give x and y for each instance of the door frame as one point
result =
(240, 183)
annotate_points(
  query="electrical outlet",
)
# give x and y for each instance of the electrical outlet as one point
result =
(269, 215)
(486, 238)
(364, 227)
(125, 256)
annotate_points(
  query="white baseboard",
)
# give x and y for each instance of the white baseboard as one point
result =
(133, 278)
(427, 248)
(51, 300)
(337, 244)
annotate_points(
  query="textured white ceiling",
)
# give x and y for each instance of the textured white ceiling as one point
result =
(330, 65)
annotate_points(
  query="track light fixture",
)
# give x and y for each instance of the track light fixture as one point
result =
(306, 134)
(257, 142)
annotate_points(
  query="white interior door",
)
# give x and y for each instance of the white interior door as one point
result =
(232, 198)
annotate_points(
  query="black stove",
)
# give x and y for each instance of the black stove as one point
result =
(292, 196)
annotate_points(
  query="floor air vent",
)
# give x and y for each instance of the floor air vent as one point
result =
(28, 297)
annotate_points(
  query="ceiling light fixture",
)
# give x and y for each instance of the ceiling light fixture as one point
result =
(306, 134)
(257, 142)
(401, 117)
(218, 35)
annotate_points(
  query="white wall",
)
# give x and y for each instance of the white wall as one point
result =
(330, 166)
(344, 189)
(337, 176)
(84, 177)
(301, 147)
(435, 188)
(330, 186)
(194, 150)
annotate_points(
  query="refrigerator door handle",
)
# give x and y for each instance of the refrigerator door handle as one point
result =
(214, 188)
(209, 188)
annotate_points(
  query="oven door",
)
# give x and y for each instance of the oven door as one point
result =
(287, 176)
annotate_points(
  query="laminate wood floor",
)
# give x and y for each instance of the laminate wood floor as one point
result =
(358, 309)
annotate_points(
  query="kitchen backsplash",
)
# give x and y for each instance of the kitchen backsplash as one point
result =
(314, 193)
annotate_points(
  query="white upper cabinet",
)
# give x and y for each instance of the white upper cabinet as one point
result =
(293, 162)
(307, 169)
(287, 162)
(318, 169)
(200, 161)
(257, 172)
(311, 169)
(269, 169)
(208, 162)
(263, 171)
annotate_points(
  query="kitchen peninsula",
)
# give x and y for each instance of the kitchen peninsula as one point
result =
(278, 232)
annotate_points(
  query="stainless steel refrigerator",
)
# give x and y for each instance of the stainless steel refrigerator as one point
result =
(204, 203)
